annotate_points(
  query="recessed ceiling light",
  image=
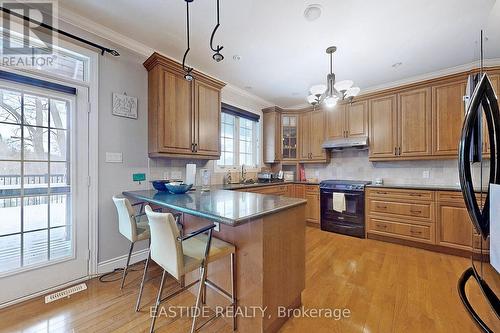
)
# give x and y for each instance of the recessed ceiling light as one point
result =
(397, 64)
(236, 57)
(312, 12)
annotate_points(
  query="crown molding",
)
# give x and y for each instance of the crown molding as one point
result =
(249, 96)
(431, 75)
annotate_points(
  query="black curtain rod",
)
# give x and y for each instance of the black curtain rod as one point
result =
(64, 33)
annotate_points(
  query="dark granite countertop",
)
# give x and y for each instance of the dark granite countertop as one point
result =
(242, 186)
(421, 187)
(228, 207)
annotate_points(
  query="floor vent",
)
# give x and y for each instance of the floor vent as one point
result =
(65, 293)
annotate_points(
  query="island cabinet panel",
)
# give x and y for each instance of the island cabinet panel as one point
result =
(414, 123)
(335, 122)
(357, 119)
(270, 267)
(207, 112)
(183, 116)
(383, 127)
(448, 112)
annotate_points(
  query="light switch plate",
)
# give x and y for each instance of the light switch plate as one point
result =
(114, 157)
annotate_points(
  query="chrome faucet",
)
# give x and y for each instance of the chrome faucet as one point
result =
(243, 177)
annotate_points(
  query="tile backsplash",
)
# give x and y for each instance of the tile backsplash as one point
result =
(354, 165)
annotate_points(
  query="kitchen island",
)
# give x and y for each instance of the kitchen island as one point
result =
(269, 234)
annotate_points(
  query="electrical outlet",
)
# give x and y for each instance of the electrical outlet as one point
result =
(166, 175)
(217, 226)
(426, 174)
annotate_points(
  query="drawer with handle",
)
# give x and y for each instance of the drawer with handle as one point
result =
(456, 197)
(413, 195)
(422, 233)
(422, 211)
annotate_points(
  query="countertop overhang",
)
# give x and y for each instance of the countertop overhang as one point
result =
(225, 206)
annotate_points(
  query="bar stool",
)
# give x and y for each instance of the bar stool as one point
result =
(132, 226)
(178, 255)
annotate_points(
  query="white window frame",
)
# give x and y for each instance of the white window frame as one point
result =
(236, 148)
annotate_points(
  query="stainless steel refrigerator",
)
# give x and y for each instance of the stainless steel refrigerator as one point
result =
(485, 267)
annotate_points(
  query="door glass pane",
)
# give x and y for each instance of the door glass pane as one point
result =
(36, 110)
(10, 252)
(10, 210)
(35, 194)
(10, 106)
(35, 213)
(36, 143)
(10, 142)
(35, 247)
(60, 243)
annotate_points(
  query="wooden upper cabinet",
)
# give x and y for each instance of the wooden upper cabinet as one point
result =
(271, 124)
(304, 130)
(289, 137)
(383, 126)
(312, 136)
(174, 126)
(207, 112)
(448, 112)
(414, 123)
(347, 120)
(335, 122)
(356, 119)
(183, 116)
(495, 81)
(317, 135)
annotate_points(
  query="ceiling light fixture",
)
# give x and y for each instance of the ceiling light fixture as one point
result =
(333, 92)
(217, 55)
(312, 12)
(187, 70)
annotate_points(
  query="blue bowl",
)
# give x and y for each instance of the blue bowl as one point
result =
(178, 188)
(159, 185)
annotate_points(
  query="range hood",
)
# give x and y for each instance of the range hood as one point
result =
(346, 143)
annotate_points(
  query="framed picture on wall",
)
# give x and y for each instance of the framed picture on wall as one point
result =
(124, 106)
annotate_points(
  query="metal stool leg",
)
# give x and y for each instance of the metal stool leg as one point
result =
(203, 278)
(233, 289)
(204, 289)
(138, 304)
(158, 300)
(126, 266)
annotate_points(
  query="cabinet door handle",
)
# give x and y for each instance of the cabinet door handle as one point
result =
(382, 226)
(192, 147)
(381, 207)
(415, 211)
(379, 192)
(414, 232)
(195, 147)
(396, 151)
(399, 151)
(415, 194)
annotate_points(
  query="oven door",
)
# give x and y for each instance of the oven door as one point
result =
(351, 221)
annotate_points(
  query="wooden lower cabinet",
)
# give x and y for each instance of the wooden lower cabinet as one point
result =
(313, 202)
(437, 218)
(302, 191)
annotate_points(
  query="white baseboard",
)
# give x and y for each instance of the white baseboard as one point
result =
(120, 262)
(43, 292)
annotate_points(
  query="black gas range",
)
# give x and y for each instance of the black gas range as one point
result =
(347, 215)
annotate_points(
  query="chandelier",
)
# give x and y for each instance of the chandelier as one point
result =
(333, 92)
(218, 57)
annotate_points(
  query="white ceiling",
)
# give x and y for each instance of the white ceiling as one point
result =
(282, 54)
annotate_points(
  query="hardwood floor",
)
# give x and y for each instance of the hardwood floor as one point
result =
(386, 287)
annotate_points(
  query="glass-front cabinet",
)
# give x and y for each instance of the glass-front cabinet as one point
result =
(289, 133)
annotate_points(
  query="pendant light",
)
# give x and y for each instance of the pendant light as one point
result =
(187, 70)
(218, 57)
(333, 92)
